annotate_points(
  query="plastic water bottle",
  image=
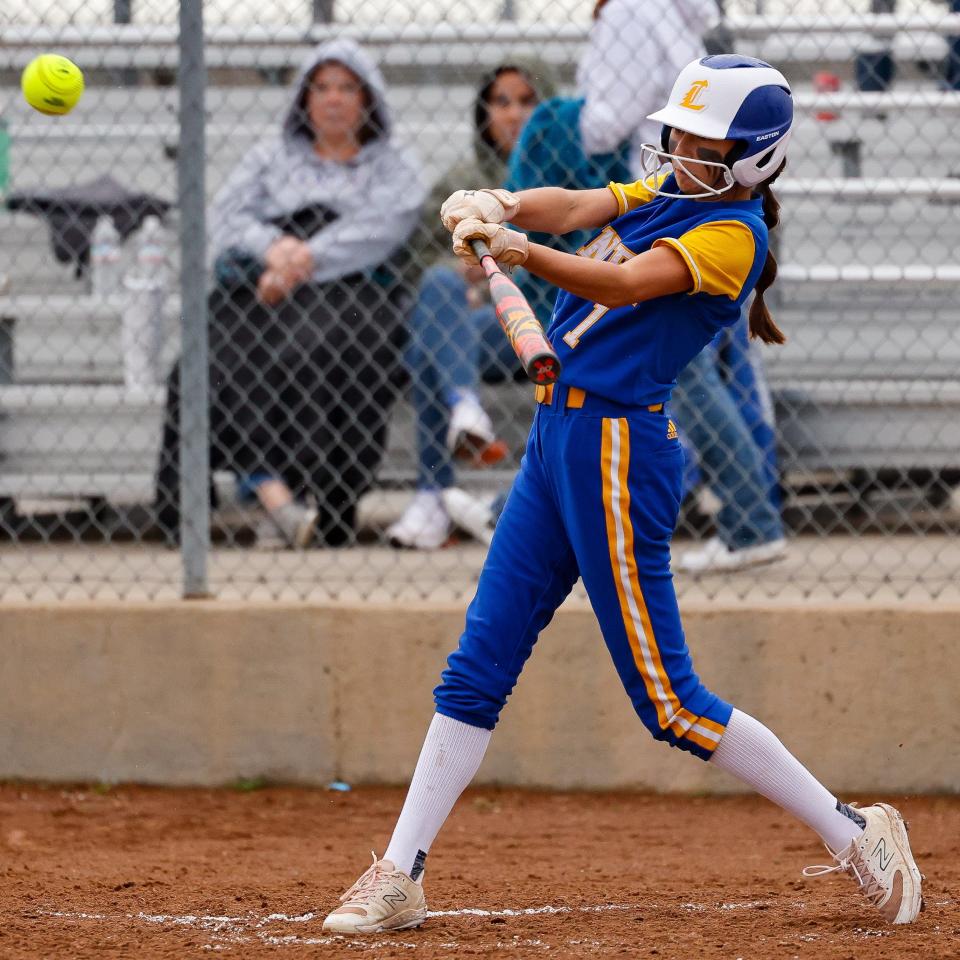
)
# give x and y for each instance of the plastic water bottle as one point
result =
(142, 328)
(106, 269)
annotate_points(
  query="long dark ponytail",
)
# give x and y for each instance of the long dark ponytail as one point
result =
(762, 325)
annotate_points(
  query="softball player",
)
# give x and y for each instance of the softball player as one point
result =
(599, 488)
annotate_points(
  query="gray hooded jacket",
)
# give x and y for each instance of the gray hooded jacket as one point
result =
(377, 195)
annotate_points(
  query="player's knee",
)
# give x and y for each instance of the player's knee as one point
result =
(462, 700)
(682, 740)
(470, 691)
(694, 725)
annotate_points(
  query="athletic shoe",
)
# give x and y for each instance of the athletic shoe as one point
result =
(716, 557)
(470, 435)
(882, 864)
(469, 513)
(305, 529)
(384, 898)
(291, 527)
(424, 525)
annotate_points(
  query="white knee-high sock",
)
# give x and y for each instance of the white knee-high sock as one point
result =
(449, 759)
(754, 755)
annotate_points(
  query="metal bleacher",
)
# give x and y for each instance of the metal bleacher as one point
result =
(866, 382)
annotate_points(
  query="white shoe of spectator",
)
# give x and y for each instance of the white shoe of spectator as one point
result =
(716, 557)
(268, 537)
(469, 422)
(469, 513)
(470, 435)
(290, 528)
(424, 525)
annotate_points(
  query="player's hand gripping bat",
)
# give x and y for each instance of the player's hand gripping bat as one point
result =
(530, 343)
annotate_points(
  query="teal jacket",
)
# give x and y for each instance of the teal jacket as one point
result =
(550, 153)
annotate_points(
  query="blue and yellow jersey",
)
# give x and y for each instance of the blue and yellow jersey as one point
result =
(633, 354)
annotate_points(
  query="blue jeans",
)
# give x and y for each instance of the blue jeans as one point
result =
(720, 407)
(452, 345)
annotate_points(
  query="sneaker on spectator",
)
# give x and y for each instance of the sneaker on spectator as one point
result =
(424, 525)
(472, 514)
(716, 557)
(470, 435)
(267, 536)
(290, 528)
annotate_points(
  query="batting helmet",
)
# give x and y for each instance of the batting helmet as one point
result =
(730, 97)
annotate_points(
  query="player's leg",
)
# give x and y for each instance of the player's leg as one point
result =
(529, 570)
(624, 478)
(636, 498)
(868, 843)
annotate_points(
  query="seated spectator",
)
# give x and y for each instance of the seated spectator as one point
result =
(456, 338)
(307, 316)
(718, 400)
(549, 153)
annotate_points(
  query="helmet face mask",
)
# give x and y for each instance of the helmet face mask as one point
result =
(728, 97)
(653, 160)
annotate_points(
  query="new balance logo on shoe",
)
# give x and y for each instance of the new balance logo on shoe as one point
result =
(880, 851)
(394, 897)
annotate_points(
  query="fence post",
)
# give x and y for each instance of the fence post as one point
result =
(191, 196)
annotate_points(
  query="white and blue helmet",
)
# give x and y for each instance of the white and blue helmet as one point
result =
(728, 97)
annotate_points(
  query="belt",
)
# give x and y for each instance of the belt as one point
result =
(575, 398)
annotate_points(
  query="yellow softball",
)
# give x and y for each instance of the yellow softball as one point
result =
(52, 84)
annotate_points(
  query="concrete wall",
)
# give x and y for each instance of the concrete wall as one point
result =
(203, 693)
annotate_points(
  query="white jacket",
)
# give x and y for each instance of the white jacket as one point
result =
(635, 51)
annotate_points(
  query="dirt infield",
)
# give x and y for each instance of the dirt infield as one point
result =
(149, 873)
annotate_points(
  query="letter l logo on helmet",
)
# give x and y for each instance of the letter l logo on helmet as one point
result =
(693, 94)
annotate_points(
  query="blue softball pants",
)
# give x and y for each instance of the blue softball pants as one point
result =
(597, 497)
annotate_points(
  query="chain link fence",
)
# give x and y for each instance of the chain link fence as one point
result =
(236, 357)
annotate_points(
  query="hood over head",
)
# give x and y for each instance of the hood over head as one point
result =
(348, 53)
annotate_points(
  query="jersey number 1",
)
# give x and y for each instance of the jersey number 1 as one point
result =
(606, 246)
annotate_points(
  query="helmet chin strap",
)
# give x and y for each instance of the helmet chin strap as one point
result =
(653, 160)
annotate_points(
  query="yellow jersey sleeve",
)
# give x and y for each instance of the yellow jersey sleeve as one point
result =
(632, 195)
(718, 254)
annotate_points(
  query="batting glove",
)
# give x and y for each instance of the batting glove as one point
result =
(490, 206)
(507, 246)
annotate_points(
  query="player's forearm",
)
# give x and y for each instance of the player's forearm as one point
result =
(558, 211)
(656, 273)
